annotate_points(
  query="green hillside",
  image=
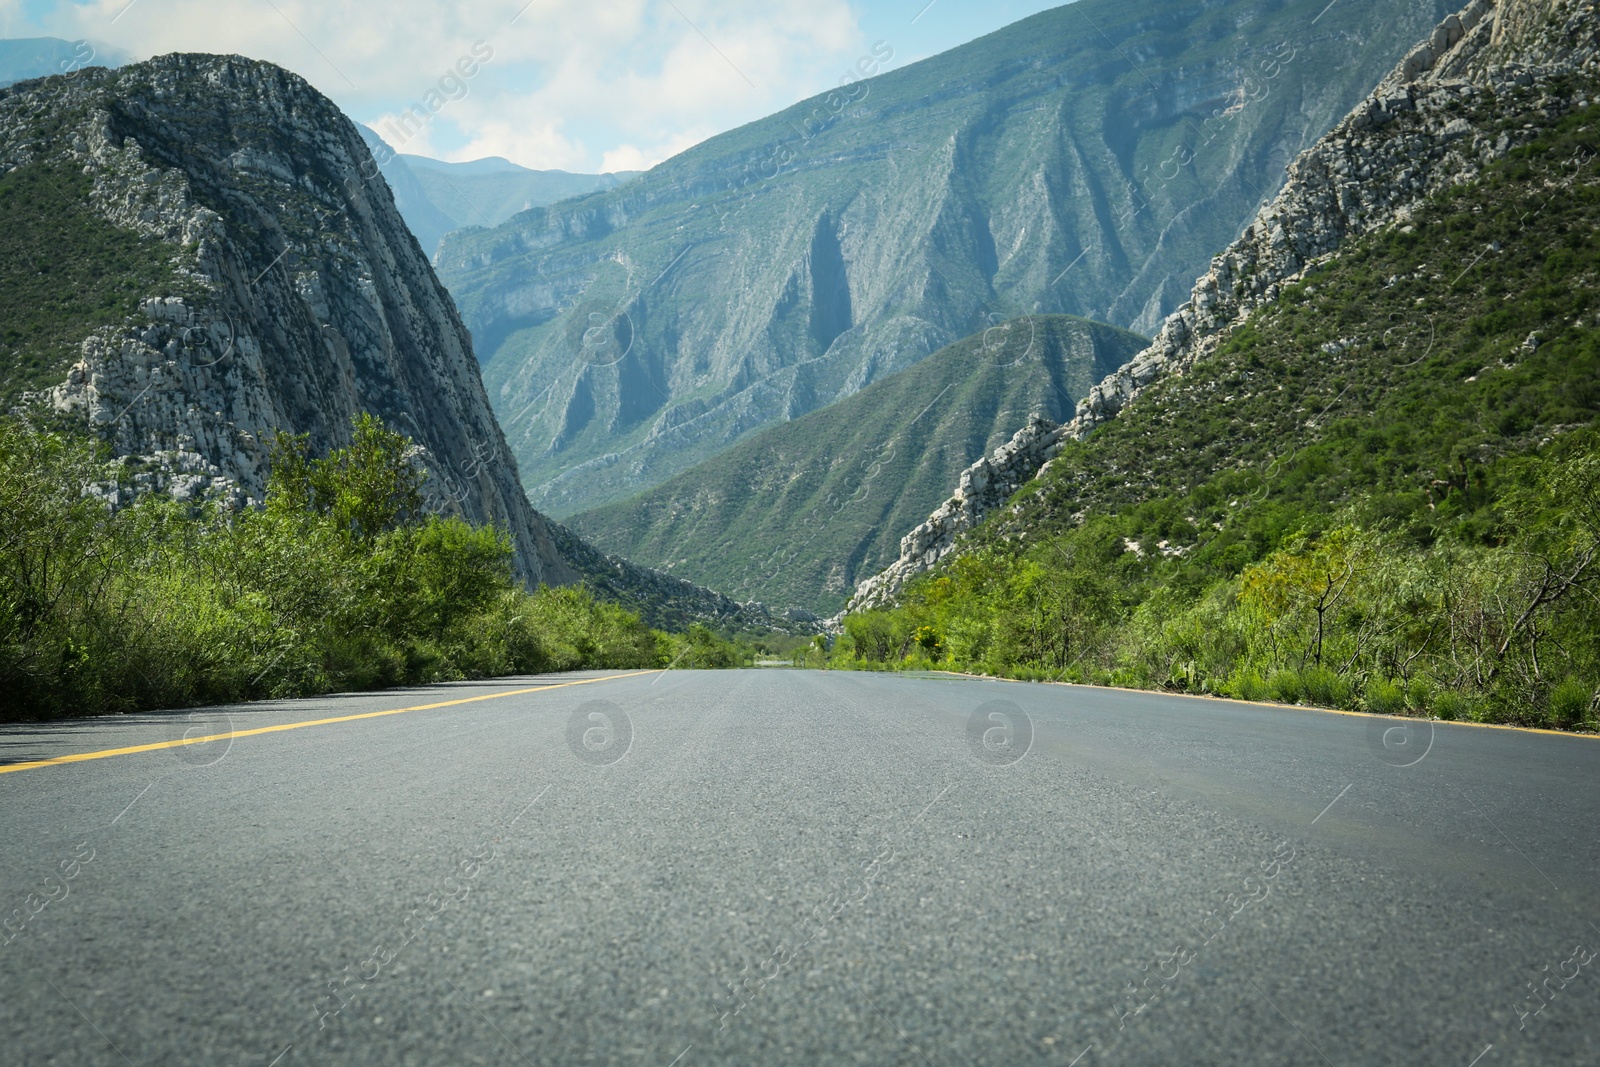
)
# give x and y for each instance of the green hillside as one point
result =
(1087, 160)
(63, 272)
(1383, 491)
(799, 512)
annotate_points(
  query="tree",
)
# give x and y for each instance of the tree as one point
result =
(1301, 585)
(366, 488)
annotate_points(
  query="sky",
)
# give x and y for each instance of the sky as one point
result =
(578, 85)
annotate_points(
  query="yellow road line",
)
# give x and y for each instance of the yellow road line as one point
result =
(104, 753)
(1286, 707)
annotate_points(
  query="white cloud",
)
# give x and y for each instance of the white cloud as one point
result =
(637, 157)
(571, 84)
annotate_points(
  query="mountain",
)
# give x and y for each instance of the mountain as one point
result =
(1086, 161)
(435, 197)
(1483, 84)
(487, 192)
(798, 513)
(1360, 468)
(426, 221)
(198, 251)
(22, 58)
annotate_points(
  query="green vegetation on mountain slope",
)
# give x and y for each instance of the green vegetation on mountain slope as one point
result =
(1382, 492)
(1087, 160)
(340, 583)
(798, 513)
(63, 272)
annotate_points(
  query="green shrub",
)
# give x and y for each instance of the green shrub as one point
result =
(871, 635)
(1246, 684)
(1569, 703)
(702, 649)
(1325, 688)
(340, 582)
(1285, 687)
(1450, 705)
(928, 639)
(1385, 696)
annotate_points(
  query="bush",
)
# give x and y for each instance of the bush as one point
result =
(1569, 703)
(1325, 688)
(1385, 697)
(703, 649)
(871, 635)
(1450, 705)
(340, 582)
(1285, 687)
(928, 639)
(1246, 683)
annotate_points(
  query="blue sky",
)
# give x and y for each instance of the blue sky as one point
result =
(580, 85)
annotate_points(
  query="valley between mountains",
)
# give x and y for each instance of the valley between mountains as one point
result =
(1080, 549)
(903, 377)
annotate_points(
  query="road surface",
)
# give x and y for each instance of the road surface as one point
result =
(774, 866)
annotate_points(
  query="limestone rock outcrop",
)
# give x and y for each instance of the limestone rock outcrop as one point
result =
(984, 486)
(303, 299)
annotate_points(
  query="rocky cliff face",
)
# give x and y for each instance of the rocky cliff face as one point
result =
(1486, 80)
(300, 298)
(1450, 107)
(305, 299)
(1085, 161)
(984, 486)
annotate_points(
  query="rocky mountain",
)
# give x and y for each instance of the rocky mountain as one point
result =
(1486, 82)
(487, 192)
(427, 222)
(799, 512)
(435, 197)
(201, 252)
(980, 489)
(1085, 161)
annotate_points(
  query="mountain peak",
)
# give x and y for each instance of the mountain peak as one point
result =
(270, 284)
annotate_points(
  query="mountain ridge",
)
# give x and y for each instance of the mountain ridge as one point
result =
(1363, 470)
(436, 197)
(796, 512)
(783, 265)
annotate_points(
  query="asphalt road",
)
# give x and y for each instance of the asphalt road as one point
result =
(775, 866)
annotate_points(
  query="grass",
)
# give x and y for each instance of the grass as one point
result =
(64, 272)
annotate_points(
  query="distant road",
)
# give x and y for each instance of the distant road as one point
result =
(795, 867)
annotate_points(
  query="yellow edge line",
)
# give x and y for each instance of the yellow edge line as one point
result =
(1286, 707)
(104, 753)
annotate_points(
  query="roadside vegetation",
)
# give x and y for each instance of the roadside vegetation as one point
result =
(1382, 492)
(341, 582)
